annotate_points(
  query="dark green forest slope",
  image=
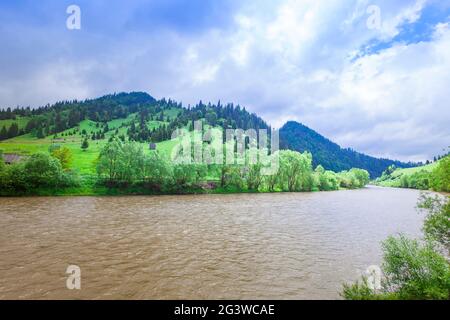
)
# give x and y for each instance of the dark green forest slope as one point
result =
(296, 136)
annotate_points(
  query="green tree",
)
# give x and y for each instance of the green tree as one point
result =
(85, 144)
(347, 180)
(2, 162)
(419, 180)
(321, 178)
(404, 181)
(333, 180)
(3, 133)
(271, 181)
(188, 175)
(109, 161)
(254, 178)
(211, 118)
(327, 180)
(13, 130)
(183, 175)
(224, 174)
(60, 124)
(120, 162)
(440, 177)
(236, 177)
(390, 170)
(437, 220)
(157, 170)
(64, 155)
(40, 133)
(43, 170)
(295, 169)
(131, 166)
(413, 269)
(361, 175)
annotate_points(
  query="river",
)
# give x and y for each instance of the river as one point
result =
(244, 246)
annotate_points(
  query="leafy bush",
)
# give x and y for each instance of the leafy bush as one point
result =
(121, 163)
(124, 163)
(64, 155)
(295, 170)
(39, 171)
(325, 180)
(188, 175)
(440, 177)
(419, 180)
(2, 162)
(157, 171)
(437, 221)
(422, 179)
(362, 177)
(413, 269)
(355, 178)
(42, 170)
(360, 290)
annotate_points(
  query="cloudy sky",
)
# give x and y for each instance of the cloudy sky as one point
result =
(371, 75)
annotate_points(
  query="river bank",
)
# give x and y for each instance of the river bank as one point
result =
(101, 190)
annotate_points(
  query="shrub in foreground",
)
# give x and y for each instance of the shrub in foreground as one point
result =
(413, 269)
(39, 171)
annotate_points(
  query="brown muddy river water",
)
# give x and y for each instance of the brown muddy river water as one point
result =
(274, 246)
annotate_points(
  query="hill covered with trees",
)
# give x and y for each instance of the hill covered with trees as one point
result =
(77, 133)
(298, 137)
(151, 120)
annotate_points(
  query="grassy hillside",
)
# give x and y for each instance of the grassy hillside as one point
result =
(395, 177)
(416, 178)
(132, 116)
(83, 160)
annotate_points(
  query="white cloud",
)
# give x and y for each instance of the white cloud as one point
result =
(403, 94)
(409, 14)
(295, 65)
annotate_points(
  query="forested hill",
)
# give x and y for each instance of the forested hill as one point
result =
(331, 156)
(142, 118)
(137, 116)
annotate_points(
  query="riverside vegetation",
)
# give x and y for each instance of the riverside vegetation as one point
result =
(434, 176)
(121, 144)
(414, 268)
(124, 167)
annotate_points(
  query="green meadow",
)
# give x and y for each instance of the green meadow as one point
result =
(83, 160)
(394, 179)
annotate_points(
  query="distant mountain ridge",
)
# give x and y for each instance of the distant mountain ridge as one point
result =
(298, 137)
